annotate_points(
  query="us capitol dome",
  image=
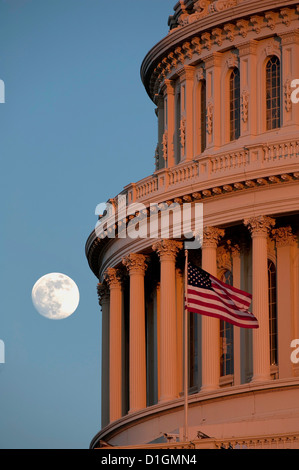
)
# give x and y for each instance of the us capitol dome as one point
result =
(221, 82)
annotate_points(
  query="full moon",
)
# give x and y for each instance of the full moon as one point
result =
(55, 296)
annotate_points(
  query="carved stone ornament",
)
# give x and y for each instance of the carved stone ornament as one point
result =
(212, 236)
(245, 105)
(287, 95)
(210, 112)
(135, 263)
(272, 48)
(271, 18)
(260, 225)
(243, 27)
(167, 248)
(221, 5)
(232, 60)
(230, 30)
(196, 45)
(183, 133)
(223, 259)
(206, 38)
(257, 23)
(217, 35)
(200, 75)
(284, 236)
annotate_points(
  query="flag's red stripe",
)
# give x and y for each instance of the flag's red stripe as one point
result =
(214, 315)
(231, 298)
(214, 295)
(219, 308)
(231, 288)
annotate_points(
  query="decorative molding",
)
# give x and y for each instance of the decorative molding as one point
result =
(243, 27)
(196, 45)
(183, 133)
(230, 31)
(210, 116)
(260, 225)
(232, 61)
(217, 36)
(200, 74)
(287, 95)
(244, 105)
(207, 42)
(257, 23)
(271, 18)
(224, 261)
(272, 48)
(284, 236)
(285, 13)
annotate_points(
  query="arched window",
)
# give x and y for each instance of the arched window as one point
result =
(234, 99)
(226, 337)
(272, 312)
(273, 93)
(203, 115)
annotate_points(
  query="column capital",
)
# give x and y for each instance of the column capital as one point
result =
(213, 60)
(135, 263)
(113, 277)
(284, 236)
(211, 237)
(103, 293)
(167, 249)
(289, 37)
(259, 226)
(186, 73)
(168, 87)
(248, 47)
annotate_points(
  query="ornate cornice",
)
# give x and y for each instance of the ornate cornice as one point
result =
(200, 43)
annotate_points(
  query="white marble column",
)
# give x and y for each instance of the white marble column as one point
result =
(259, 228)
(136, 266)
(213, 83)
(113, 279)
(167, 251)
(285, 242)
(210, 326)
(104, 301)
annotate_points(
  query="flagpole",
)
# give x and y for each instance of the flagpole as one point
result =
(186, 351)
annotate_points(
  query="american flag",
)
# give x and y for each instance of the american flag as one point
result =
(207, 295)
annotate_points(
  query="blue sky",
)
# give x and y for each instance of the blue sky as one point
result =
(76, 127)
